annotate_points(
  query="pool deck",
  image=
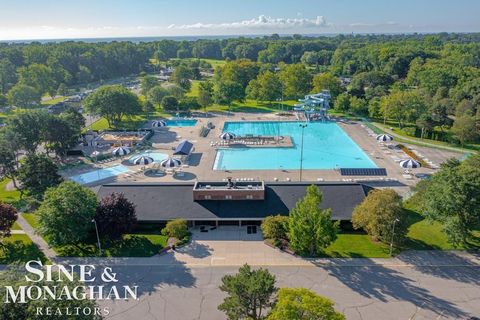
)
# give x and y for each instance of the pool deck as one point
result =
(200, 165)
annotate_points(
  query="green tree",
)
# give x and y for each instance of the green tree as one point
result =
(60, 135)
(228, 91)
(62, 90)
(8, 160)
(170, 103)
(403, 106)
(327, 81)
(377, 214)
(66, 213)
(464, 129)
(250, 293)
(267, 87)
(40, 77)
(205, 94)
(24, 96)
(303, 304)
(181, 76)
(38, 173)
(147, 83)
(452, 197)
(27, 129)
(113, 103)
(358, 106)
(156, 94)
(275, 227)
(342, 103)
(177, 228)
(296, 80)
(8, 75)
(311, 228)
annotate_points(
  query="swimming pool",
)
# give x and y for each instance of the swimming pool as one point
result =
(326, 146)
(99, 174)
(156, 156)
(181, 122)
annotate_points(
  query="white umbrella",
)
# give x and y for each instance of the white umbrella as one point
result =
(227, 136)
(410, 164)
(384, 138)
(170, 163)
(143, 160)
(159, 123)
(121, 151)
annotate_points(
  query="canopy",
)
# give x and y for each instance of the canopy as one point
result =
(227, 136)
(170, 163)
(410, 164)
(143, 160)
(159, 123)
(120, 151)
(384, 138)
(183, 149)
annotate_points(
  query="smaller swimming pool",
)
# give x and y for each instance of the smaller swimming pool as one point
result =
(99, 174)
(181, 122)
(156, 156)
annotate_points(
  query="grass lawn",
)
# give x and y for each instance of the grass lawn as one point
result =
(18, 248)
(132, 123)
(142, 243)
(356, 245)
(194, 89)
(53, 101)
(9, 196)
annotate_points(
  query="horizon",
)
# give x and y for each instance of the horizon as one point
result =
(31, 20)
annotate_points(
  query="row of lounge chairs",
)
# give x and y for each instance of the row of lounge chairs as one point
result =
(244, 142)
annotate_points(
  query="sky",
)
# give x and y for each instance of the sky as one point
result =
(61, 19)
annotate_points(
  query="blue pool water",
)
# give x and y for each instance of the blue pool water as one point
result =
(181, 122)
(157, 156)
(326, 146)
(99, 174)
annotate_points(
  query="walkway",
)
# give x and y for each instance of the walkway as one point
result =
(36, 239)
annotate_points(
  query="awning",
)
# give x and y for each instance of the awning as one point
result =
(183, 149)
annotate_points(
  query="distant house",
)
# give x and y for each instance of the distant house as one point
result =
(230, 203)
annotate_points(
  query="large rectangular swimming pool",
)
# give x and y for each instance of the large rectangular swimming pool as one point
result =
(100, 174)
(326, 146)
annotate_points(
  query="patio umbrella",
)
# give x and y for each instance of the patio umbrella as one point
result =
(410, 164)
(143, 160)
(120, 151)
(384, 138)
(227, 136)
(170, 163)
(159, 123)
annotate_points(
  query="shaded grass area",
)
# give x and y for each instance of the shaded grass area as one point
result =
(19, 248)
(130, 123)
(53, 101)
(142, 242)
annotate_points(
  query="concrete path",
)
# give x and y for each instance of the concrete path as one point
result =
(17, 232)
(36, 239)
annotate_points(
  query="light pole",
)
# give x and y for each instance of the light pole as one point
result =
(98, 237)
(303, 126)
(393, 234)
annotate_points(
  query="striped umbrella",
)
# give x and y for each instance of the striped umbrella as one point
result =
(170, 163)
(143, 160)
(410, 164)
(120, 151)
(384, 138)
(227, 136)
(159, 123)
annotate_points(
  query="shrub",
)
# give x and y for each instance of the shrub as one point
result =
(275, 227)
(115, 216)
(8, 216)
(176, 229)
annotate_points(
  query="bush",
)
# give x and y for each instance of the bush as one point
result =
(189, 103)
(115, 216)
(275, 227)
(176, 229)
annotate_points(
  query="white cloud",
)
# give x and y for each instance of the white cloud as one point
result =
(261, 22)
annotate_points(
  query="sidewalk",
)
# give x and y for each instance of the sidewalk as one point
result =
(36, 239)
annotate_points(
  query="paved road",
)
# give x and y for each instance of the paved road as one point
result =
(409, 287)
